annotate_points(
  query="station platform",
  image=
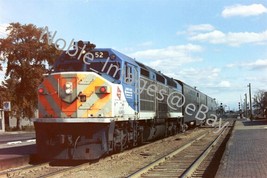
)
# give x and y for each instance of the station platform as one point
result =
(246, 151)
(6, 137)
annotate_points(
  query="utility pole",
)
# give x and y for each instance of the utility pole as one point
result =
(239, 110)
(246, 107)
(250, 103)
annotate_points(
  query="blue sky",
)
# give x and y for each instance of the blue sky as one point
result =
(217, 46)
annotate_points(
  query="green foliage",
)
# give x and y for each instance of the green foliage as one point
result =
(27, 60)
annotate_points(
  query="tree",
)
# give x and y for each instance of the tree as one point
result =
(27, 60)
(260, 101)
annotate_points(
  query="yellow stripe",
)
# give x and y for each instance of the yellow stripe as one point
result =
(89, 90)
(100, 103)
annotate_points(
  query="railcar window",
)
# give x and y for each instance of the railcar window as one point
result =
(159, 78)
(144, 72)
(170, 82)
(128, 70)
(128, 74)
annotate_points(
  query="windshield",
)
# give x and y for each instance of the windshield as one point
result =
(66, 63)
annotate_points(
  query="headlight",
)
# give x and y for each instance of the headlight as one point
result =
(68, 88)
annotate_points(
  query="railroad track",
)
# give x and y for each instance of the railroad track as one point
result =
(48, 169)
(185, 161)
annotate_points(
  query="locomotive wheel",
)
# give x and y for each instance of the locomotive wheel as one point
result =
(140, 137)
(175, 129)
(120, 140)
(183, 127)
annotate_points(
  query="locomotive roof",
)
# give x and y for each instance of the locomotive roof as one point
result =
(117, 53)
(128, 59)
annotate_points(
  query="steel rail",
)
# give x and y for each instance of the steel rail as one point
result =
(162, 159)
(193, 167)
(56, 173)
(189, 171)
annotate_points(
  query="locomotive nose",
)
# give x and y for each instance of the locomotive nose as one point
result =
(74, 95)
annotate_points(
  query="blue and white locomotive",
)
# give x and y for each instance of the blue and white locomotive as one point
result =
(98, 101)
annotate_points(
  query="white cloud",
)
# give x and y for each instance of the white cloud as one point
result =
(181, 32)
(199, 77)
(212, 37)
(193, 29)
(231, 38)
(168, 58)
(260, 63)
(146, 44)
(200, 27)
(200, 74)
(225, 84)
(257, 64)
(141, 46)
(244, 10)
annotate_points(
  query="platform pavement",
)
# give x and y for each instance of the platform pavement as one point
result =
(15, 132)
(246, 151)
(16, 148)
(16, 136)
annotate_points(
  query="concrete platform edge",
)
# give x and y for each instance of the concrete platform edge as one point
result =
(14, 162)
(225, 154)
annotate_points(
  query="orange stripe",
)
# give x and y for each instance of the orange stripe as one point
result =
(51, 90)
(43, 99)
(49, 110)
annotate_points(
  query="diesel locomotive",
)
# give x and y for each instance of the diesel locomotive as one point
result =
(98, 101)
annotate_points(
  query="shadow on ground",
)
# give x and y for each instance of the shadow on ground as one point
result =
(257, 122)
